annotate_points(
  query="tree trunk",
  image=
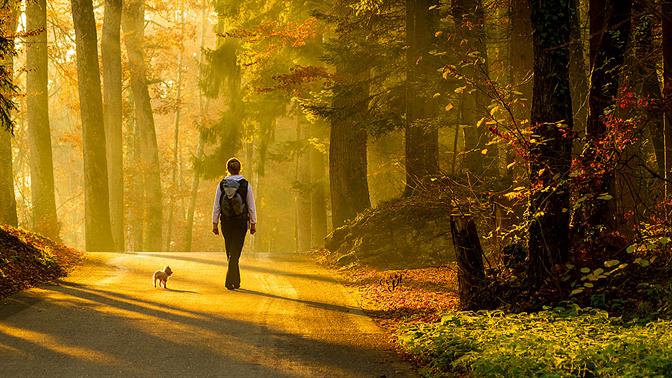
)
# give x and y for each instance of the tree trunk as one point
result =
(422, 138)
(304, 190)
(37, 112)
(521, 55)
(96, 192)
(469, 254)
(644, 77)
(610, 32)
(7, 198)
(133, 24)
(347, 146)
(550, 156)
(318, 195)
(176, 140)
(667, 84)
(203, 109)
(578, 80)
(112, 107)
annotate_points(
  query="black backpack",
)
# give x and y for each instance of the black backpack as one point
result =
(233, 201)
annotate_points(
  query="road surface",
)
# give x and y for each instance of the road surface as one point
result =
(290, 318)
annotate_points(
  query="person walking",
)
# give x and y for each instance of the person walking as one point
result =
(234, 208)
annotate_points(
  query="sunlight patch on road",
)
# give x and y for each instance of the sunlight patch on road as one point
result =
(46, 341)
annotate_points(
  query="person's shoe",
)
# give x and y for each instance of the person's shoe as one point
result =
(231, 287)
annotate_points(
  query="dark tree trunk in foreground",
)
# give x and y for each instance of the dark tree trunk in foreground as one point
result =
(667, 78)
(610, 31)
(8, 215)
(347, 149)
(644, 77)
(37, 113)
(469, 255)
(422, 138)
(96, 197)
(133, 24)
(111, 58)
(550, 156)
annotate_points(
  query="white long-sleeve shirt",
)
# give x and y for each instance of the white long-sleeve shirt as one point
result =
(251, 209)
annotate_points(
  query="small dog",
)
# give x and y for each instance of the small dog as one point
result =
(162, 276)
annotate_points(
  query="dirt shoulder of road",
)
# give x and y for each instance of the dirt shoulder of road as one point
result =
(398, 298)
(28, 260)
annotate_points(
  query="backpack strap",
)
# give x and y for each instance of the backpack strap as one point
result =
(242, 190)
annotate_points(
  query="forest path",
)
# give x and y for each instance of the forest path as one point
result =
(291, 318)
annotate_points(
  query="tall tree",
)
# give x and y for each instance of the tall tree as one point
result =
(348, 136)
(202, 107)
(644, 75)
(550, 155)
(37, 114)
(133, 20)
(578, 79)
(112, 106)
(318, 196)
(422, 137)
(303, 189)
(8, 15)
(176, 138)
(347, 145)
(667, 80)
(521, 54)
(610, 32)
(96, 192)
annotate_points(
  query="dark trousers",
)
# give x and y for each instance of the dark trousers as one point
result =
(234, 239)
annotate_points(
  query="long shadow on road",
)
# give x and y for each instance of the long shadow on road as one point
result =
(99, 332)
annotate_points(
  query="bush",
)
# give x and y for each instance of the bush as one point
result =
(560, 342)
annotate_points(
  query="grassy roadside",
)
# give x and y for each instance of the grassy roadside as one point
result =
(28, 260)
(422, 317)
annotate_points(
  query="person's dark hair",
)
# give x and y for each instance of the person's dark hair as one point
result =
(233, 166)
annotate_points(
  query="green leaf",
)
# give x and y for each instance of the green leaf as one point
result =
(611, 263)
(585, 270)
(631, 248)
(577, 291)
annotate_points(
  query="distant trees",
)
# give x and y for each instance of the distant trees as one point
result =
(112, 108)
(37, 114)
(133, 20)
(550, 151)
(96, 195)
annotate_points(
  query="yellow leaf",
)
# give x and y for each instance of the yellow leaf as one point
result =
(494, 110)
(449, 107)
(480, 122)
(484, 151)
(509, 166)
(438, 34)
(460, 89)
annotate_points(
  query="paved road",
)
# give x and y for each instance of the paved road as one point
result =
(290, 319)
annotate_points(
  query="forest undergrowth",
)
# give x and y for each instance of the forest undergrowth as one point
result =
(607, 318)
(28, 260)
